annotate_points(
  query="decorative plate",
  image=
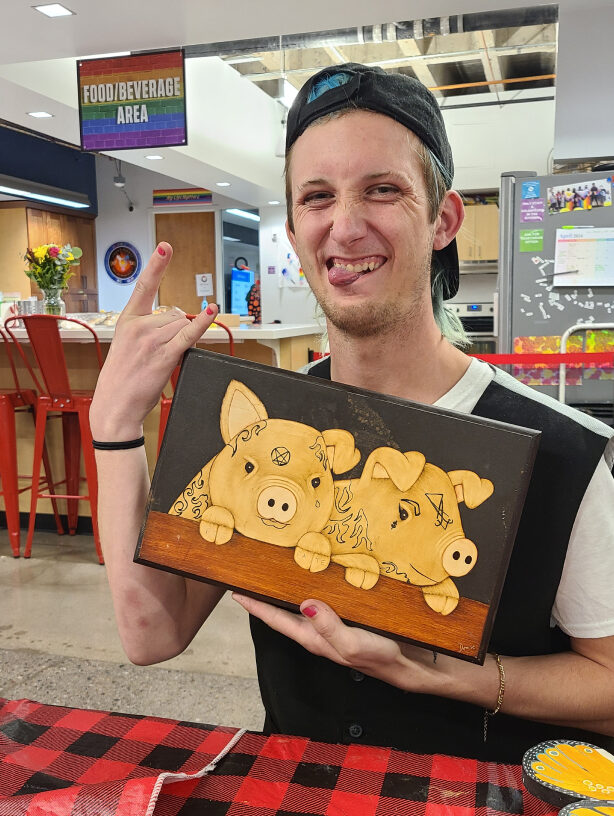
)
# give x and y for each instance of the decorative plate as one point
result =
(563, 771)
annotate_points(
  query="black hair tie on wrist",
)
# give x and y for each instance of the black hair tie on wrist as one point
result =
(131, 443)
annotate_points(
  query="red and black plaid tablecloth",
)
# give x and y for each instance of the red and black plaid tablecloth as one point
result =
(57, 761)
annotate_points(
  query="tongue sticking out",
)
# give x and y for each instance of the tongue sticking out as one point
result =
(340, 276)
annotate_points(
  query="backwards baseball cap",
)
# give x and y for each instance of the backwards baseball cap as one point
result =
(400, 97)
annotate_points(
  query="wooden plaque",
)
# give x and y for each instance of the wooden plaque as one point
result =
(399, 515)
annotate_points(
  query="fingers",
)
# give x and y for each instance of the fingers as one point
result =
(144, 293)
(193, 330)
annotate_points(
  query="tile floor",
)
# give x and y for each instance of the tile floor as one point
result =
(59, 644)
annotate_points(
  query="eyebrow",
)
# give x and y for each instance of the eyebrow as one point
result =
(388, 174)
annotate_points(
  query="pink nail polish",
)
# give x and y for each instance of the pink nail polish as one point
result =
(310, 611)
(209, 310)
(161, 251)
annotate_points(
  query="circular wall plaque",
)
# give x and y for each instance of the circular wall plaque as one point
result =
(122, 262)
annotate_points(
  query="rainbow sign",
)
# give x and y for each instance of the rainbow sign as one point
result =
(182, 196)
(135, 101)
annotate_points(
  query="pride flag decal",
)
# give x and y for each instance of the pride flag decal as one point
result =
(182, 196)
(134, 101)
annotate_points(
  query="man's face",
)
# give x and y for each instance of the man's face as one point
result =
(361, 175)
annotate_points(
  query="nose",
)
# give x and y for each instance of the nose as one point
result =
(348, 224)
(459, 557)
(277, 503)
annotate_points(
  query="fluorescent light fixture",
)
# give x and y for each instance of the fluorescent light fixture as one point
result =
(21, 188)
(275, 202)
(54, 10)
(106, 56)
(154, 157)
(228, 238)
(222, 184)
(289, 94)
(40, 114)
(244, 214)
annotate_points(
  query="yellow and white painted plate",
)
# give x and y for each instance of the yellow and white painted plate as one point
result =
(562, 772)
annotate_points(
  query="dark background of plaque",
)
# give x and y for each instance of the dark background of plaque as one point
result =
(497, 451)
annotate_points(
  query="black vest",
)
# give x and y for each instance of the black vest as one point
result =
(311, 696)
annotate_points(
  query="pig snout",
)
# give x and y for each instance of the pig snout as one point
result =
(277, 503)
(459, 557)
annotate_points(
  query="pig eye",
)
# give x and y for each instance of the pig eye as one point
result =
(403, 514)
(315, 482)
(249, 467)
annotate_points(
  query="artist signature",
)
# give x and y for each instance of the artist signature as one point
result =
(464, 647)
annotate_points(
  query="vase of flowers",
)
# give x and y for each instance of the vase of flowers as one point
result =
(49, 266)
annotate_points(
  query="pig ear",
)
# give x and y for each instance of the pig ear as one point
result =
(388, 463)
(342, 454)
(240, 408)
(470, 488)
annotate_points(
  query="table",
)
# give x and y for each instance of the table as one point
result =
(58, 761)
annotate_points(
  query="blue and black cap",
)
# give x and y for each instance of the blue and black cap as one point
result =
(398, 96)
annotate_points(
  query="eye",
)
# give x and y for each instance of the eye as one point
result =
(384, 191)
(315, 482)
(403, 514)
(317, 197)
(249, 466)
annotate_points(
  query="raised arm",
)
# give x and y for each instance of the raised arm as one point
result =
(157, 613)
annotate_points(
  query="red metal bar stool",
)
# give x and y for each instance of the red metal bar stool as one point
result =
(166, 402)
(58, 399)
(12, 401)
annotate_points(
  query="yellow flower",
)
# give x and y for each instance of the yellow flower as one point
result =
(40, 253)
(70, 257)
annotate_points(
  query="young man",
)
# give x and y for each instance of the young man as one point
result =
(373, 219)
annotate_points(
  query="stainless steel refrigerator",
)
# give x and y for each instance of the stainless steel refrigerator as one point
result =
(542, 292)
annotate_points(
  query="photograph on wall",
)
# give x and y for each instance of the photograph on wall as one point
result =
(583, 196)
(283, 486)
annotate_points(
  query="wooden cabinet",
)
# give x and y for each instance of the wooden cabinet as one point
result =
(478, 239)
(32, 226)
(45, 227)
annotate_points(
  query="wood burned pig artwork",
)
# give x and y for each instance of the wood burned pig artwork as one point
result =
(272, 481)
(400, 516)
(401, 519)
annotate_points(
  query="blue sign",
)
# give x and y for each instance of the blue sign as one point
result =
(122, 262)
(530, 189)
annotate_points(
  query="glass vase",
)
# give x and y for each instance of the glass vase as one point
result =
(53, 303)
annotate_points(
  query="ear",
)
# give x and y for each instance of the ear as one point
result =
(291, 236)
(470, 488)
(449, 220)
(240, 408)
(342, 454)
(388, 463)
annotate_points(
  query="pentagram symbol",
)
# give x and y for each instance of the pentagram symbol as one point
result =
(443, 519)
(280, 456)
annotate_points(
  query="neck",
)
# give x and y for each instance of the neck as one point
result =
(417, 364)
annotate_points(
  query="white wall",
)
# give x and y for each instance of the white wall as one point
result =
(290, 305)
(491, 140)
(584, 111)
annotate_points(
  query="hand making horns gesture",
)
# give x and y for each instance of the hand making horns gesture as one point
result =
(145, 350)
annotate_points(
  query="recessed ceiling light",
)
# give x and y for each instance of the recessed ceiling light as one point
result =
(154, 157)
(222, 184)
(274, 202)
(244, 214)
(40, 114)
(54, 10)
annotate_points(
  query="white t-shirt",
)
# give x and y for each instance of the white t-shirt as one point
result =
(584, 603)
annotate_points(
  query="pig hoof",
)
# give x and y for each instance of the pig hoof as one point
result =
(217, 525)
(312, 561)
(360, 578)
(442, 604)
